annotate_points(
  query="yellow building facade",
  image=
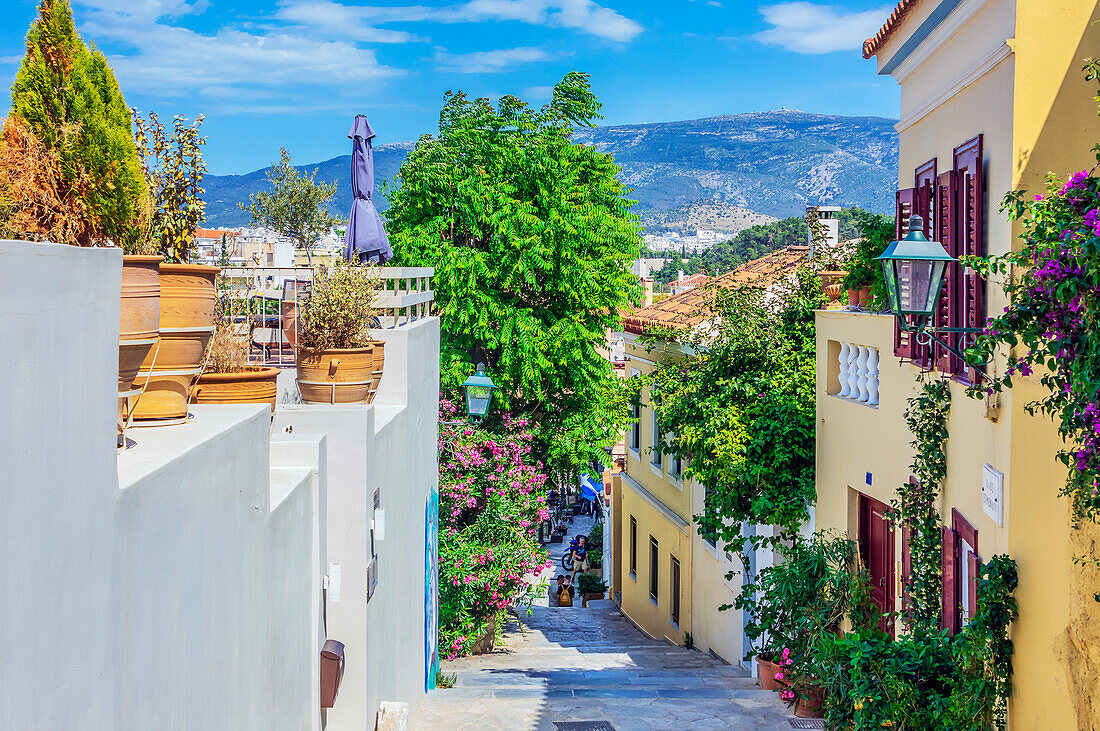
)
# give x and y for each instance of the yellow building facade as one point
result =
(992, 99)
(667, 579)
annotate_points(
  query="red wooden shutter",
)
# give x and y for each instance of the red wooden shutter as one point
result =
(924, 178)
(906, 566)
(950, 607)
(906, 207)
(970, 227)
(973, 565)
(945, 234)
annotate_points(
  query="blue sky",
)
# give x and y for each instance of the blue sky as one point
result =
(294, 72)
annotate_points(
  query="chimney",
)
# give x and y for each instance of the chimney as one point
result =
(680, 276)
(647, 283)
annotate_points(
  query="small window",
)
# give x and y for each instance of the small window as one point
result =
(654, 567)
(635, 428)
(675, 592)
(654, 438)
(633, 546)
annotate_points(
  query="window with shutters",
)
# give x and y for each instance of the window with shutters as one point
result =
(674, 596)
(654, 438)
(960, 572)
(654, 558)
(633, 548)
(951, 204)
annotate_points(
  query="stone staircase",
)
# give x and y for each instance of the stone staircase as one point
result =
(576, 668)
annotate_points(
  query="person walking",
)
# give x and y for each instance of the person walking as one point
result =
(565, 593)
(580, 556)
(555, 590)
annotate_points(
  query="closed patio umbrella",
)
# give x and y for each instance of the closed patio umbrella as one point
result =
(365, 239)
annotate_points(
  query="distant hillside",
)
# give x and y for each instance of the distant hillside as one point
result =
(224, 192)
(730, 170)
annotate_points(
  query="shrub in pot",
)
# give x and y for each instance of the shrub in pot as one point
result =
(590, 587)
(337, 362)
(228, 377)
(174, 170)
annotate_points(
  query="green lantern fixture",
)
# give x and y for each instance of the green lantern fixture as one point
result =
(915, 268)
(479, 392)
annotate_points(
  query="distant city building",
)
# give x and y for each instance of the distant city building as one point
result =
(685, 283)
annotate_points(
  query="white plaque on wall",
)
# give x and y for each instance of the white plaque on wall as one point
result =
(993, 493)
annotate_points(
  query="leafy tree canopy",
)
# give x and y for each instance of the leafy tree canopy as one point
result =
(295, 206)
(531, 237)
(70, 101)
(740, 409)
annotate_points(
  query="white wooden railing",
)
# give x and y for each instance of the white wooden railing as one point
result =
(406, 295)
(858, 373)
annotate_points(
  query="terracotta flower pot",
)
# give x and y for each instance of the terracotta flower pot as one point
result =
(811, 703)
(138, 323)
(853, 299)
(338, 376)
(288, 313)
(379, 366)
(864, 297)
(765, 673)
(252, 386)
(186, 325)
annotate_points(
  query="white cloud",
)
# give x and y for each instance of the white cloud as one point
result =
(166, 60)
(805, 27)
(582, 15)
(484, 62)
(539, 93)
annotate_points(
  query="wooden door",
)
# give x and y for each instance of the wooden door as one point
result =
(876, 547)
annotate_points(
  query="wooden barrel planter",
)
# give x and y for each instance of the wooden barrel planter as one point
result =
(337, 376)
(138, 323)
(251, 386)
(186, 325)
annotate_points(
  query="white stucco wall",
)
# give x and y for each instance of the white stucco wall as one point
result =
(389, 446)
(172, 586)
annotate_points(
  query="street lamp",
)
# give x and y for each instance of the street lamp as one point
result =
(479, 392)
(915, 269)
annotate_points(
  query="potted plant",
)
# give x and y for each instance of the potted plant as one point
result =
(337, 362)
(228, 377)
(174, 169)
(590, 588)
(865, 281)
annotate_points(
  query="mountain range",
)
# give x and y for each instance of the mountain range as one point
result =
(727, 172)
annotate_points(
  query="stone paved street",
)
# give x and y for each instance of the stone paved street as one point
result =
(561, 665)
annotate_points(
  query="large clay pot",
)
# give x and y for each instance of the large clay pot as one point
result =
(288, 314)
(138, 322)
(187, 298)
(765, 673)
(379, 366)
(338, 376)
(811, 703)
(253, 386)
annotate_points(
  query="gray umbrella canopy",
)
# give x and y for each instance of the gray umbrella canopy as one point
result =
(365, 239)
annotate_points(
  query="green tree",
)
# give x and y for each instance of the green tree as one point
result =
(68, 96)
(174, 169)
(740, 409)
(295, 206)
(531, 237)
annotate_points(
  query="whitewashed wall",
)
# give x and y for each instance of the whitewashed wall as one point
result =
(389, 446)
(173, 586)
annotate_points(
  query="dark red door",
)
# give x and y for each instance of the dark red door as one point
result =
(876, 547)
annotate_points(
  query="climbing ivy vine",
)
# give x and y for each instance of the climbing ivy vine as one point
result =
(915, 505)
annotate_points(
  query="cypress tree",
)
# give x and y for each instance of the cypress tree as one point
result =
(69, 98)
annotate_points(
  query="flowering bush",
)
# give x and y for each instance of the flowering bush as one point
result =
(1050, 321)
(491, 500)
(1053, 285)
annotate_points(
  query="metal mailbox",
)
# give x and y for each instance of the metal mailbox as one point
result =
(332, 671)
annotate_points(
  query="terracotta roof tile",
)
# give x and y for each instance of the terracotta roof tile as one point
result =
(686, 309)
(871, 46)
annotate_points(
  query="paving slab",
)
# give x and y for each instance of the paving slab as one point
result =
(571, 664)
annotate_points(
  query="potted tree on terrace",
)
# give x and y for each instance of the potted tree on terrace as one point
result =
(337, 361)
(591, 588)
(174, 167)
(228, 377)
(70, 171)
